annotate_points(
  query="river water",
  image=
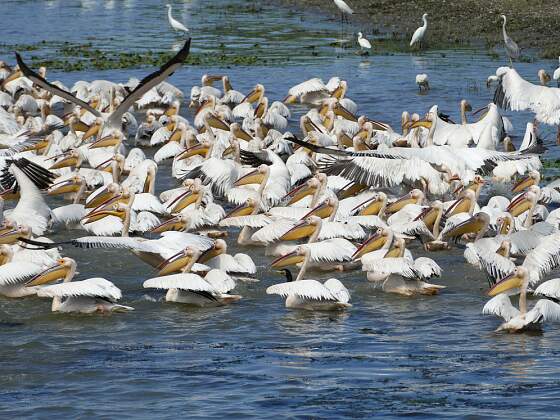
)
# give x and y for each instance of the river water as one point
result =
(386, 356)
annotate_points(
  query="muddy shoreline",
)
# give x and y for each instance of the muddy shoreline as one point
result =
(533, 25)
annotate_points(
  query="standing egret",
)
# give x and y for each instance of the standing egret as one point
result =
(344, 9)
(512, 49)
(420, 33)
(364, 43)
(556, 74)
(175, 24)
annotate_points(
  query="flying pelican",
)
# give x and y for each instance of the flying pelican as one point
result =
(422, 82)
(113, 120)
(519, 320)
(311, 294)
(512, 49)
(85, 296)
(175, 24)
(363, 42)
(420, 33)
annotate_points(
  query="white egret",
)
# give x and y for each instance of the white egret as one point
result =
(420, 33)
(175, 24)
(423, 82)
(344, 9)
(364, 43)
(512, 49)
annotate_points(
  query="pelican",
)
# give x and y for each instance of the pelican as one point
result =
(363, 42)
(519, 320)
(311, 294)
(512, 49)
(175, 24)
(420, 33)
(192, 289)
(422, 82)
(85, 296)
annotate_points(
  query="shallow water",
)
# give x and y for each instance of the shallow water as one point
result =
(386, 356)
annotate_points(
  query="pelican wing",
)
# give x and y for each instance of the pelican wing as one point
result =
(71, 213)
(253, 221)
(427, 268)
(544, 310)
(400, 266)
(114, 242)
(544, 258)
(331, 250)
(183, 281)
(517, 94)
(348, 230)
(94, 287)
(311, 85)
(550, 288)
(17, 272)
(246, 262)
(305, 289)
(273, 231)
(495, 265)
(500, 306)
(55, 90)
(338, 290)
(220, 281)
(149, 82)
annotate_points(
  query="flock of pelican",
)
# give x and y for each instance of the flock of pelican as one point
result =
(345, 193)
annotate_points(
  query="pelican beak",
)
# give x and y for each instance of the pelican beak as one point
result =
(242, 210)
(37, 146)
(51, 274)
(65, 162)
(523, 184)
(81, 126)
(174, 264)
(299, 231)
(208, 255)
(311, 126)
(10, 236)
(373, 243)
(242, 134)
(422, 123)
(100, 199)
(480, 110)
(253, 177)
(197, 149)
(300, 192)
(175, 136)
(346, 140)
(461, 205)
(287, 260)
(351, 191)
(323, 211)
(15, 75)
(171, 125)
(174, 224)
(344, 113)
(471, 225)
(519, 206)
(183, 200)
(10, 194)
(513, 281)
(373, 208)
(289, 100)
(215, 122)
(228, 151)
(253, 96)
(92, 131)
(101, 214)
(107, 141)
(63, 187)
(399, 204)
(429, 218)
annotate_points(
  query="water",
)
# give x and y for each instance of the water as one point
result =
(386, 356)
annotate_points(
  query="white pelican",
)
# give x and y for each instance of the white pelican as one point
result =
(420, 33)
(85, 296)
(515, 93)
(363, 42)
(311, 294)
(211, 290)
(423, 82)
(512, 49)
(519, 320)
(175, 24)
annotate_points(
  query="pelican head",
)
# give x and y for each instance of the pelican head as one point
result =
(106, 194)
(10, 234)
(524, 202)
(93, 129)
(373, 243)
(70, 185)
(476, 224)
(197, 149)
(292, 258)
(112, 140)
(505, 224)
(179, 261)
(58, 271)
(372, 206)
(305, 189)
(413, 197)
(255, 95)
(463, 204)
(303, 229)
(178, 223)
(244, 209)
(324, 209)
(69, 159)
(118, 210)
(219, 247)
(532, 178)
(515, 280)
(257, 176)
